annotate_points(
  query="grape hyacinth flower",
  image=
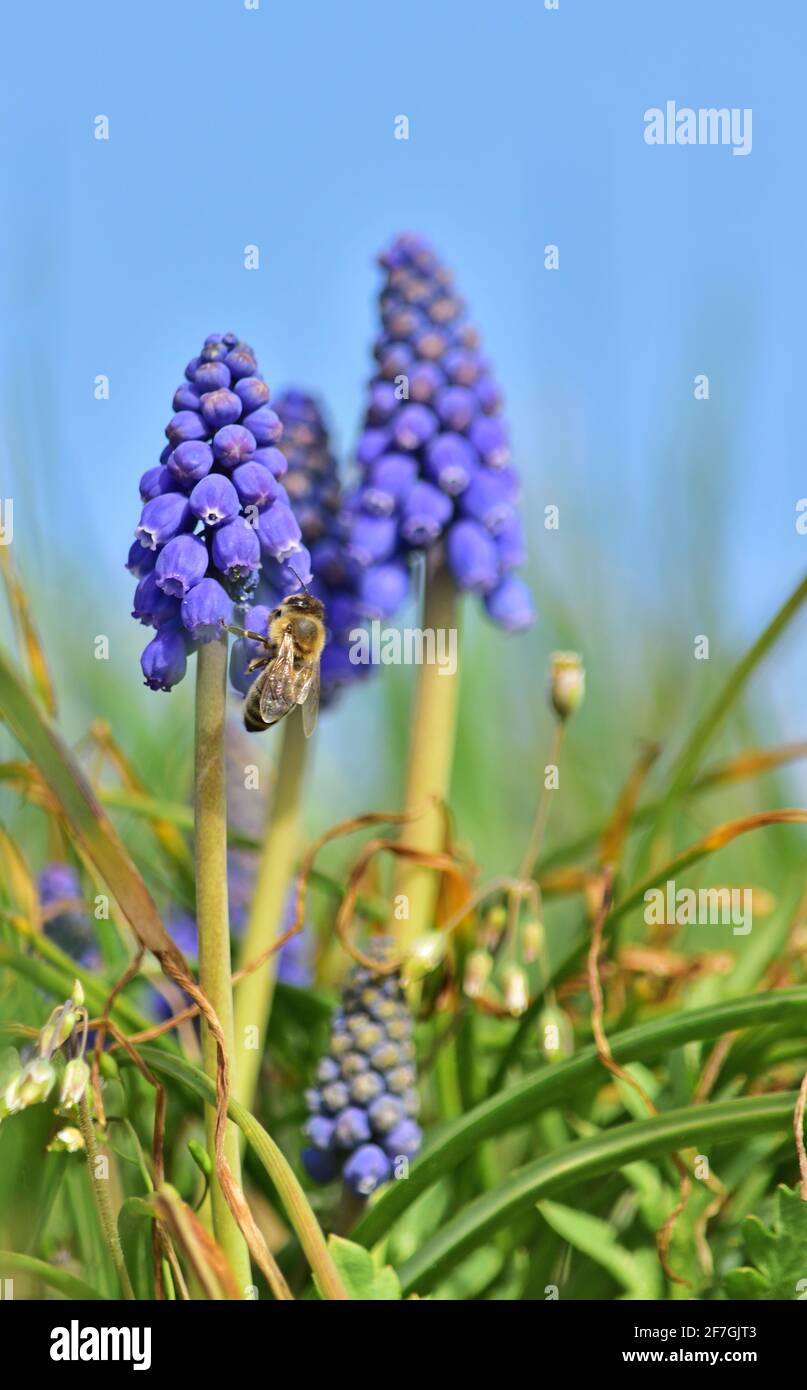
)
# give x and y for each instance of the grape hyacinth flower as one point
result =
(214, 515)
(315, 551)
(64, 916)
(434, 454)
(365, 1101)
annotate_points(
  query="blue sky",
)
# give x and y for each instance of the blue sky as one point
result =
(275, 126)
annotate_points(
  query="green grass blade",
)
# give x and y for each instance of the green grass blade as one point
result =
(56, 1278)
(527, 1098)
(582, 1162)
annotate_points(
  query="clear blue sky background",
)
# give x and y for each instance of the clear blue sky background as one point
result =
(275, 127)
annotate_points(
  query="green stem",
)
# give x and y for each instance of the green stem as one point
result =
(253, 1003)
(212, 917)
(431, 753)
(103, 1205)
(61, 1279)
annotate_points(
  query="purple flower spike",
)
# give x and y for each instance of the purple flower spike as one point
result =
(189, 462)
(265, 424)
(510, 604)
(253, 392)
(450, 462)
(211, 376)
(472, 557)
(221, 408)
(255, 485)
(236, 549)
(163, 517)
(181, 564)
(164, 660)
(273, 459)
(59, 883)
(383, 588)
(204, 609)
(425, 512)
(413, 426)
(233, 445)
(186, 424)
(214, 500)
(279, 531)
(154, 482)
(152, 606)
(372, 539)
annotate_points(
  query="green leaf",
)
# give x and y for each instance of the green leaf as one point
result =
(725, 1122)
(780, 1255)
(639, 1277)
(60, 1279)
(363, 1281)
(540, 1090)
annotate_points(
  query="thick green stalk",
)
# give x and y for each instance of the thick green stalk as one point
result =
(253, 1001)
(431, 753)
(212, 916)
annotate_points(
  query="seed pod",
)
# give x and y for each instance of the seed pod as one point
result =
(478, 968)
(567, 683)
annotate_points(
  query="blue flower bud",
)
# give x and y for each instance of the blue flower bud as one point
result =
(186, 397)
(366, 1169)
(273, 459)
(164, 660)
(186, 424)
(214, 500)
(321, 1167)
(154, 482)
(490, 497)
(511, 543)
(451, 462)
(352, 1128)
(472, 556)
(286, 576)
(510, 604)
(335, 1096)
(390, 479)
(233, 445)
(425, 380)
(181, 564)
(163, 517)
(413, 426)
(190, 461)
(151, 606)
(140, 560)
(253, 392)
(236, 550)
(372, 445)
(241, 362)
(372, 539)
(385, 1113)
(383, 402)
(58, 883)
(255, 485)
(383, 588)
(462, 367)
(488, 395)
(426, 510)
(204, 609)
(320, 1130)
(265, 424)
(456, 407)
(404, 1140)
(211, 376)
(220, 408)
(278, 530)
(489, 437)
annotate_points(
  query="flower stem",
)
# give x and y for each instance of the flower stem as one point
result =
(100, 1192)
(431, 753)
(254, 998)
(212, 915)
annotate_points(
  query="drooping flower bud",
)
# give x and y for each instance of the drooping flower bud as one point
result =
(532, 941)
(478, 969)
(74, 1082)
(567, 683)
(67, 1140)
(514, 990)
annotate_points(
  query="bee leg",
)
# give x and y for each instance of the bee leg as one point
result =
(245, 632)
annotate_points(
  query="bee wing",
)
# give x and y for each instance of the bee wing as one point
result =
(310, 701)
(277, 683)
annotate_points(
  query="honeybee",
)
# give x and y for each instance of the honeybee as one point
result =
(289, 669)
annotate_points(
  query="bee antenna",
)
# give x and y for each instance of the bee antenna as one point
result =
(303, 586)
